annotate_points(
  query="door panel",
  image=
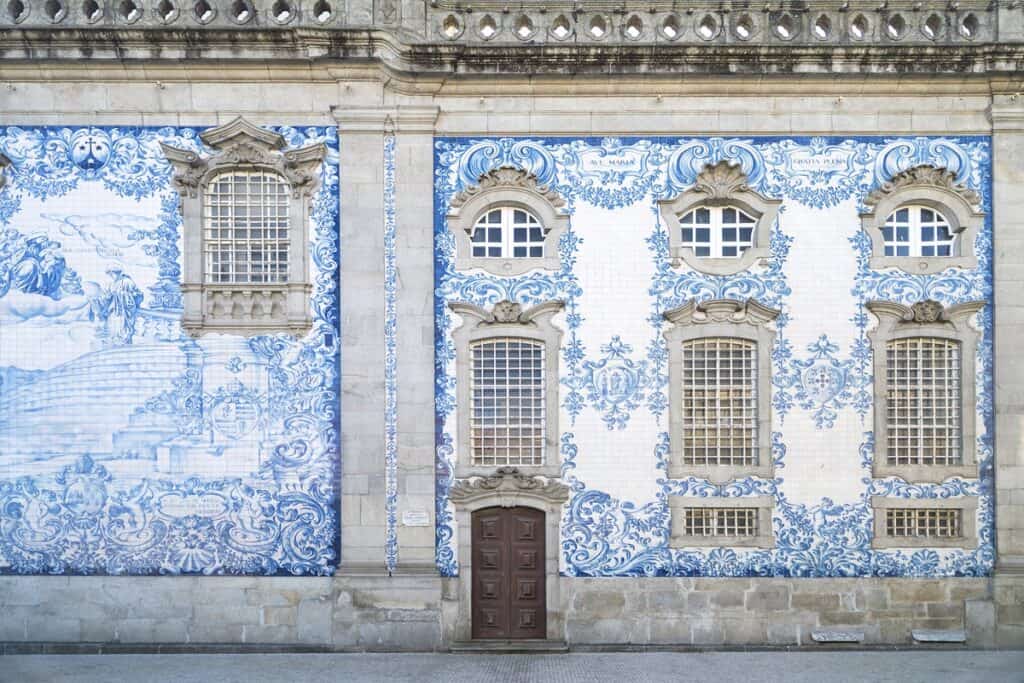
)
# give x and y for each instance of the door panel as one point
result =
(508, 573)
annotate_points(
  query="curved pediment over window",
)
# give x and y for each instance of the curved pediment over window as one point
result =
(508, 223)
(923, 221)
(719, 226)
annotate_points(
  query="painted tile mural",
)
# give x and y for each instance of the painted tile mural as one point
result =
(616, 280)
(127, 447)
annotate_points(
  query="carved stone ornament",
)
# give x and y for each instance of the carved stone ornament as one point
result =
(242, 144)
(4, 163)
(508, 480)
(245, 308)
(926, 312)
(923, 176)
(722, 311)
(508, 176)
(721, 180)
(507, 312)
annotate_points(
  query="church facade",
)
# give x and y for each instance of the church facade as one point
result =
(426, 325)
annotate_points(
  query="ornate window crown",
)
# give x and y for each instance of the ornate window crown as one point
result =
(526, 342)
(245, 216)
(923, 221)
(502, 223)
(925, 399)
(720, 225)
(712, 344)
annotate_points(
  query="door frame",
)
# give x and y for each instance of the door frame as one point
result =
(507, 488)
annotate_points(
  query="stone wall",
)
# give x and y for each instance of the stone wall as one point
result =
(375, 612)
(706, 612)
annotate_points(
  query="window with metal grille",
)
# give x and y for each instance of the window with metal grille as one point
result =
(923, 401)
(508, 232)
(923, 523)
(246, 219)
(708, 521)
(717, 231)
(719, 422)
(507, 425)
(917, 231)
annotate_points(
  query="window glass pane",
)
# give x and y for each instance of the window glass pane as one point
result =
(245, 228)
(917, 231)
(719, 401)
(923, 401)
(506, 227)
(507, 423)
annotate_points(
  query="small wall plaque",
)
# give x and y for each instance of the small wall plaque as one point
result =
(415, 518)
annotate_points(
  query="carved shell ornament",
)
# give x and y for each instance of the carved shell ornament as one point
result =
(925, 312)
(722, 311)
(507, 312)
(508, 479)
(721, 180)
(508, 176)
(921, 177)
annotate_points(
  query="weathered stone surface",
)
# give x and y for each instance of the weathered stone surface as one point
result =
(936, 636)
(836, 636)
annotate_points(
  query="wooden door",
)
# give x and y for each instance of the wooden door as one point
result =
(508, 573)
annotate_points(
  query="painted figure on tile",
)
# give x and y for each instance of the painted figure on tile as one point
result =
(35, 266)
(116, 307)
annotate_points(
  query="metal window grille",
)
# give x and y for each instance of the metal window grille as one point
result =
(246, 221)
(717, 231)
(508, 395)
(508, 232)
(705, 521)
(923, 522)
(923, 401)
(917, 231)
(720, 401)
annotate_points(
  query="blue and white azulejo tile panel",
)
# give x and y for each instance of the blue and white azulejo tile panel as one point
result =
(125, 446)
(616, 280)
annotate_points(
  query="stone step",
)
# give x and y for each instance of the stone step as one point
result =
(491, 647)
(837, 636)
(922, 635)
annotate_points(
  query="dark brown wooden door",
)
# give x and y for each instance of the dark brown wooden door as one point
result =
(508, 573)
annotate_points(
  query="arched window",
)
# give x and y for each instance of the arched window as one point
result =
(245, 231)
(719, 366)
(719, 226)
(717, 231)
(916, 230)
(506, 375)
(925, 402)
(923, 221)
(508, 232)
(246, 227)
(507, 224)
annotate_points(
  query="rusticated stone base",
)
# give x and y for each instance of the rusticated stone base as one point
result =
(364, 611)
(765, 611)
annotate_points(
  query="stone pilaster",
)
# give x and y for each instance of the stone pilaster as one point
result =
(414, 204)
(1008, 215)
(363, 517)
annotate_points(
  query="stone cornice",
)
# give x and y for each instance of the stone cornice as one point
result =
(309, 46)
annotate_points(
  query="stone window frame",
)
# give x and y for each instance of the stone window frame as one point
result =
(719, 185)
(765, 537)
(211, 307)
(720, 318)
(507, 186)
(968, 506)
(937, 189)
(507, 319)
(926, 319)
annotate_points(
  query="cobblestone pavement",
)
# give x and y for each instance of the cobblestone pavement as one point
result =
(723, 667)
